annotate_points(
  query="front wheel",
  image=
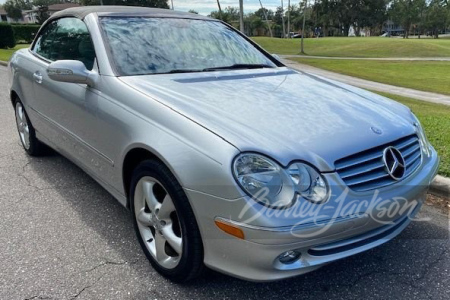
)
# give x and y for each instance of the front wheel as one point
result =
(165, 223)
(27, 133)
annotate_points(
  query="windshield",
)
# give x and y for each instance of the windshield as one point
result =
(141, 46)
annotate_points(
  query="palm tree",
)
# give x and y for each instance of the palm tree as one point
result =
(220, 9)
(282, 19)
(289, 19)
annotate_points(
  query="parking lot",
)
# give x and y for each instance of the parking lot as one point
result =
(63, 237)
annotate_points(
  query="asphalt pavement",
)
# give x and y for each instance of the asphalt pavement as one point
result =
(64, 237)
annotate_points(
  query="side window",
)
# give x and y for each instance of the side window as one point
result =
(69, 39)
(43, 45)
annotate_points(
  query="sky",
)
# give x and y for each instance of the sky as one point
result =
(206, 6)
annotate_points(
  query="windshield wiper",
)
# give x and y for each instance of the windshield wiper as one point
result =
(232, 67)
(240, 66)
(184, 71)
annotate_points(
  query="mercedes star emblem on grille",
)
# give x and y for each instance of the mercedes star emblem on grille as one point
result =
(394, 162)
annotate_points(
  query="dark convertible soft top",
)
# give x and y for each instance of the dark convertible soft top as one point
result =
(83, 11)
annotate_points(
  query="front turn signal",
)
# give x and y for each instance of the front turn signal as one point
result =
(230, 229)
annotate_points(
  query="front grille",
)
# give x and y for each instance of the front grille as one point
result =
(365, 171)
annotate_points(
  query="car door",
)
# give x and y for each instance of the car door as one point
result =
(68, 110)
(27, 66)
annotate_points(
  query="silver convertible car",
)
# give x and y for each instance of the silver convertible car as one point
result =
(225, 157)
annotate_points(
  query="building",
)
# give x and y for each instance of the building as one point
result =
(362, 31)
(58, 7)
(30, 16)
(4, 17)
(392, 28)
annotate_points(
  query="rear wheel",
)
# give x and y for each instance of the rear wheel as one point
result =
(165, 223)
(27, 133)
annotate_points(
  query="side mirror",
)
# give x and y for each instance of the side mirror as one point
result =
(73, 71)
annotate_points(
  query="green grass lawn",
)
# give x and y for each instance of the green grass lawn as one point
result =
(359, 47)
(5, 54)
(429, 76)
(435, 119)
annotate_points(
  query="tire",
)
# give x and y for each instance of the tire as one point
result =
(27, 133)
(167, 231)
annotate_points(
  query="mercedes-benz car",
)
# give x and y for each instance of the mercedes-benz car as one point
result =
(225, 157)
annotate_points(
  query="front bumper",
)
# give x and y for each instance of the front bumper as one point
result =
(321, 237)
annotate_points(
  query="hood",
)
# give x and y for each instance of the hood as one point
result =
(285, 114)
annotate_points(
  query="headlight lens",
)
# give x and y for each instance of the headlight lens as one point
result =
(263, 179)
(422, 136)
(308, 182)
(267, 182)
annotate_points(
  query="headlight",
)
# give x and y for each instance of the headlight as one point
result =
(425, 145)
(308, 183)
(264, 180)
(267, 182)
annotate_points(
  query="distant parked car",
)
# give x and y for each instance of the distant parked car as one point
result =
(290, 35)
(224, 156)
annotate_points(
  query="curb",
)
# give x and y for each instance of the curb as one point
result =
(3, 63)
(441, 187)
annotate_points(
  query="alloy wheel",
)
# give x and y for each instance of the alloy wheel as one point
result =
(22, 126)
(158, 222)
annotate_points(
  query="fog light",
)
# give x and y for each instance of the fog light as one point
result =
(289, 257)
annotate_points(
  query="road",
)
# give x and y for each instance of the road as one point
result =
(63, 237)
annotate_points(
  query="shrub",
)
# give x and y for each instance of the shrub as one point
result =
(25, 33)
(7, 39)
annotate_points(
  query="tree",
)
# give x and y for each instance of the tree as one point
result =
(14, 8)
(144, 3)
(260, 13)
(233, 13)
(344, 10)
(220, 16)
(7, 38)
(42, 9)
(436, 17)
(405, 13)
(42, 14)
(297, 12)
(422, 6)
(324, 14)
(193, 11)
(278, 17)
(255, 24)
(371, 13)
(228, 15)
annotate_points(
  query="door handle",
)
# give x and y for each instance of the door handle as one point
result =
(37, 77)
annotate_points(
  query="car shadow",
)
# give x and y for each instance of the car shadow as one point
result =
(393, 269)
